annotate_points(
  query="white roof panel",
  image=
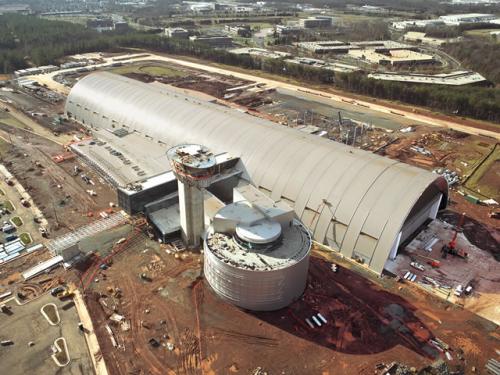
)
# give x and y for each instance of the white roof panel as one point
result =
(305, 169)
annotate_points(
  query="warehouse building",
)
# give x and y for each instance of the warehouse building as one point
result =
(317, 22)
(403, 25)
(215, 41)
(358, 203)
(260, 52)
(395, 58)
(288, 29)
(244, 31)
(340, 47)
(322, 64)
(458, 19)
(419, 37)
(176, 32)
(458, 78)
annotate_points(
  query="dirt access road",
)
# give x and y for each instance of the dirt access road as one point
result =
(31, 126)
(367, 323)
(60, 195)
(47, 79)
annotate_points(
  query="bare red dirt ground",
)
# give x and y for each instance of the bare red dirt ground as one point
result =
(361, 318)
(60, 194)
(367, 323)
(480, 235)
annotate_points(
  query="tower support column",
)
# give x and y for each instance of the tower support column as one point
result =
(192, 217)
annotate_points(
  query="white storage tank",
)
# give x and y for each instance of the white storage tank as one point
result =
(254, 261)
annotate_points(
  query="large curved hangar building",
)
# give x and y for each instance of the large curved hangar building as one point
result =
(356, 202)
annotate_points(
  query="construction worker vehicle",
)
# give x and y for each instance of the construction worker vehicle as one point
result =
(451, 247)
(63, 291)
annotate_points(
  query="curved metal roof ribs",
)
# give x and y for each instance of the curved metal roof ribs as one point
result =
(364, 198)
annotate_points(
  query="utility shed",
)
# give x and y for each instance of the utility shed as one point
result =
(361, 204)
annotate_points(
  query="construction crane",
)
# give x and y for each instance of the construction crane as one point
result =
(340, 127)
(451, 247)
(430, 261)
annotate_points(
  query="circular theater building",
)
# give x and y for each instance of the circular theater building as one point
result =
(256, 262)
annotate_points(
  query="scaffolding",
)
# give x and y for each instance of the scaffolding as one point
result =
(57, 245)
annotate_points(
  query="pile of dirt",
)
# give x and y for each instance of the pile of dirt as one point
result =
(210, 87)
(141, 77)
(477, 233)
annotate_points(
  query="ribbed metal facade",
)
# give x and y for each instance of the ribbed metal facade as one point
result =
(353, 200)
(259, 290)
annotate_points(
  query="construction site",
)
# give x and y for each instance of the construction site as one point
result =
(180, 218)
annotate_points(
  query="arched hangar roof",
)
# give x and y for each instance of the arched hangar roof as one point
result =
(355, 200)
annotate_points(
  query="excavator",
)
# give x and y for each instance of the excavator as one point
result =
(451, 247)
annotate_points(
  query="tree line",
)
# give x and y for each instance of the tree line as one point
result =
(472, 101)
(28, 40)
(479, 55)
(31, 41)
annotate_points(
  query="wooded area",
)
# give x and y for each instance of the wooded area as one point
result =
(29, 40)
(26, 40)
(479, 55)
(472, 101)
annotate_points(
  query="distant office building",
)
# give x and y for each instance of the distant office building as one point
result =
(100, 24)
(403, 25)
(120, 26)
(317, 22)
(36, 70)
(260, 52)
(457, 19)
(107, 24)
(340, 47)
(396, 58)
(288, 29)
(200, 7)
(457, 78)
(321, 64)
(176, 32)
(418, 37)
(15, 8)
(244, 31)
(372, 9)
(450, 20)
(216, 41)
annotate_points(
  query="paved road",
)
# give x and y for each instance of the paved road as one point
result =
(301, 102)
(359, 105)
(35, 127)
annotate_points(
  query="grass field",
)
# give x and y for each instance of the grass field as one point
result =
(8, 120)
(4, 147)
(25, 238)
(9, 206)
(149, 69)
(17, 221)
(483, 33)
(486, 178)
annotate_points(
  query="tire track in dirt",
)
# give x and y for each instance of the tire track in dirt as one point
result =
(152, 363)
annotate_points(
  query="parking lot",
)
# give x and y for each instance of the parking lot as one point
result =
(25, 324)
(13, 212)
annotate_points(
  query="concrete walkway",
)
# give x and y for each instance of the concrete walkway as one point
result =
(90, 336)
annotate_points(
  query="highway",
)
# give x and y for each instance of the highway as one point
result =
(325, 97)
